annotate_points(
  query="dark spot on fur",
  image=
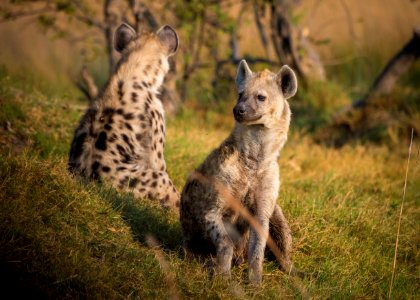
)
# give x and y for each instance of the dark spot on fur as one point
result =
(143, 174)
(107, 127)
(154, 175)
(142, 190)
(144, 84)
(129, 116)
(101, 141)
(77, 145)
(128, 126)
(138, 136)
(121, 150)
(149, 97)
(120, 89)
(106, 169)
(134, 97)
(161, 140)
(127, 141)
(142, 118)
(108, 111)
(95, 166)
(120, 111)
(153, 114)
(133, 182)
(159, 154)
(154, 184)
(122, 168)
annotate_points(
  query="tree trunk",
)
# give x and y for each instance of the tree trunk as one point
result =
(291, 46)
(396, 67)
(281, 35)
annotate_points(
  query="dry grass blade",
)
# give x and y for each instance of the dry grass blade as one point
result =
(168, 275)
(399, 218)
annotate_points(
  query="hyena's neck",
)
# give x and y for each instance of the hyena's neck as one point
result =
(258, 143)
(148, 72)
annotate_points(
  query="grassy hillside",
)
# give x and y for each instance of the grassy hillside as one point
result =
(64, 238)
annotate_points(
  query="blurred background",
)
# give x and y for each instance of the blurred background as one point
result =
(337, 47)
(343, 168)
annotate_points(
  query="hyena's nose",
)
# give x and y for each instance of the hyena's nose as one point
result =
(239, 109)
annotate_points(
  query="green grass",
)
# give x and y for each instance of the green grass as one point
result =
(64, 238)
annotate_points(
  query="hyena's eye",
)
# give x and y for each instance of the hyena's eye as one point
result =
(261, 97)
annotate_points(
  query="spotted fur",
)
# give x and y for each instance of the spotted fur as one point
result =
(244, 167)
(121, 137)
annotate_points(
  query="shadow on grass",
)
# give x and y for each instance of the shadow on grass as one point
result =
(145, 218)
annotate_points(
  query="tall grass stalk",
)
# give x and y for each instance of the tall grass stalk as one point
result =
(399, 219)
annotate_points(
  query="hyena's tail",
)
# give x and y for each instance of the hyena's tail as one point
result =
(281, 234)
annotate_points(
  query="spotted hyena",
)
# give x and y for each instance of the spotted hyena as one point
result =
(243, 169)
(121, 137)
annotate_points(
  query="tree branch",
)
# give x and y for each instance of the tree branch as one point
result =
(260, 27)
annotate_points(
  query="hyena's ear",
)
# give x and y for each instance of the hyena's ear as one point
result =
(287, 81)
(123, 36)
(242, 75)
(169, 38)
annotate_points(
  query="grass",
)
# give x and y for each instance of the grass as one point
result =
(68, 239)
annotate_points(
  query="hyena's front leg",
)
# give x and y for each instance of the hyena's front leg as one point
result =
(265, 198)
(220, 238)
(256, 249)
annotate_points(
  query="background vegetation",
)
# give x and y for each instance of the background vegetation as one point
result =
(69, 239)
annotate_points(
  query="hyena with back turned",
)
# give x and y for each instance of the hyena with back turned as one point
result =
(245, 168)
(121, 137)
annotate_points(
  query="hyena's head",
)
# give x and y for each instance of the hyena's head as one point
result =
(263, 95)
(140, 47)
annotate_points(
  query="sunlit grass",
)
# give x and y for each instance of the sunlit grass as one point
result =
(72, 239)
